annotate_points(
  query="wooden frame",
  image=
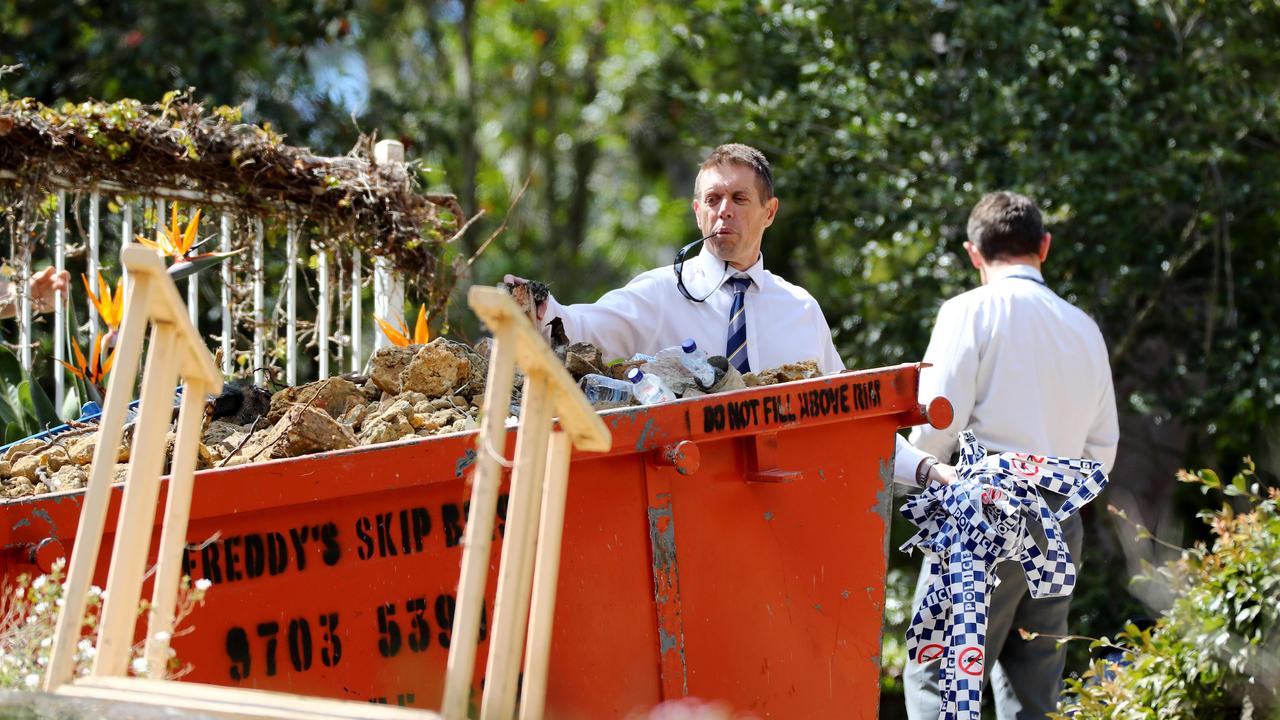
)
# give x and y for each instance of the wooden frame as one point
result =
(531, 550)
(176, 352)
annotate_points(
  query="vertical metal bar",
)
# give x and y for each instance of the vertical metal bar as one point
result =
(126, 237)
(193, 300)
(225, 246)
(95, 249)
(322, 314)
(259, 375)
(22, 285)
(59, 309)
(356, 281)
(388, 285)
(291, 309)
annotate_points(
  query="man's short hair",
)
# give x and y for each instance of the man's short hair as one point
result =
(1005, 224)
(745, 155)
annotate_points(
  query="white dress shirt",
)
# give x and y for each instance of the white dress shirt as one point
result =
(784, 322)
(1024, 369)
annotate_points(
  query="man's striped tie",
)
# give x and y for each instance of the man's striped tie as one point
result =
(736, 350)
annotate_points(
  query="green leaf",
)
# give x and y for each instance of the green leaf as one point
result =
(42, 407)
(13, 433)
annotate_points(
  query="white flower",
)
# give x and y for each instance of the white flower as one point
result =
(41, 608)
(204, 584)
(32, 680)
(139, 665)
(163, 636)
(38, 582)
(46, 642)
(59, 602)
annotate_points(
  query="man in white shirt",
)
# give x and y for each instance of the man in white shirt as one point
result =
(1027, 372)
(725, 298)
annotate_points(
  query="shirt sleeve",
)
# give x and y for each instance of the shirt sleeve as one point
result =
(906, 459)
(621, 323)
(1104, 433)
(953, 356)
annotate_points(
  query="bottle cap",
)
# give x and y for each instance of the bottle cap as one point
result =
(635, 375)
(689, 345)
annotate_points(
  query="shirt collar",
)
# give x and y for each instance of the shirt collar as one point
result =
(1001, 272)
(711, 266)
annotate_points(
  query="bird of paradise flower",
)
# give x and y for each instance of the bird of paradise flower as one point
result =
(178, 243)
(401, 338)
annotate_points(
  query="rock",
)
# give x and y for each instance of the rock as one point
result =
(19, 487)
(483, 347)
(386, 365)
(6, 469)
(390, 424)
(302, 431)
(443, 367)
(204, 458)
(618, 370)
(221, 438)
(69, 477)
(783, 373)
(371, 391)
(583, 359)
(353, 417)
(25, 467)
(23, 447)
(335, 396)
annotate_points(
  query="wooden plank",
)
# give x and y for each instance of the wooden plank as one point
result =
(533, 690)
(234, 702)
(515, 574)
(173, 535)
(486, 482)
(138, 508)
(165, 306)
(496, 308)
(84, 556)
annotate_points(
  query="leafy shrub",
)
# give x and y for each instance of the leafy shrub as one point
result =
(29, 616)
(1214, 653)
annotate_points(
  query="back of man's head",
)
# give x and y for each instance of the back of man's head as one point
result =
(745, 155)
(1005, 225)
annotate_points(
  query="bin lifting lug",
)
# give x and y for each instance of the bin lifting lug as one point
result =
(762, 461)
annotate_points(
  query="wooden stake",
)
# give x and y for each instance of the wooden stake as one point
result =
(537, 654)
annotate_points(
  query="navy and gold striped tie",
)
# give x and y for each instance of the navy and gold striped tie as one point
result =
(736, 350)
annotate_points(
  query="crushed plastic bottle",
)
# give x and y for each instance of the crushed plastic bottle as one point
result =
(649, 388)
(604, 389)
(695, 361)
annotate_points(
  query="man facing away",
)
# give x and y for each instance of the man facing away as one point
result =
(725, 298)
(1027, 372)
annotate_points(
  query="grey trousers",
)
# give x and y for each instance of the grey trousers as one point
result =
(1026, 678)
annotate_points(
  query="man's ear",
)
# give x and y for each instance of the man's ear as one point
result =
(1044, 246)
(975, 255)
(771, 210)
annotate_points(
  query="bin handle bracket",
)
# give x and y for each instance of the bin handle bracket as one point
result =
(762, 461)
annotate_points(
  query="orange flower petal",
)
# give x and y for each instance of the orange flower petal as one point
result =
(421, 333)
(396, 337)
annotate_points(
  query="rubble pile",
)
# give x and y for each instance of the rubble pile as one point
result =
(407, 392)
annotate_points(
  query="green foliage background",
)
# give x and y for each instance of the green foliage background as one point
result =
(1148, 130)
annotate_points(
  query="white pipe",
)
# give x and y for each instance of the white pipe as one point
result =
(388, 286)
(259, 375)
(291, 308)
(356, 353)
(322, 314)
(95, 247)
(59, 312)
(225, 246)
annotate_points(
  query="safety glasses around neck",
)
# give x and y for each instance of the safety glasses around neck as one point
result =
(678, 266)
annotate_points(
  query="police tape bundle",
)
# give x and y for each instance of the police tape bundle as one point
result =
(969, 526)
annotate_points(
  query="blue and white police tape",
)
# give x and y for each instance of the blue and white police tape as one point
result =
(969, 526)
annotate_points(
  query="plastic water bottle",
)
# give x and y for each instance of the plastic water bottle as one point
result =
(641, 357)
(649, 388)
(602, 389)
(695, 361)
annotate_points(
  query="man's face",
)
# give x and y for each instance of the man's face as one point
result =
(728, 205)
